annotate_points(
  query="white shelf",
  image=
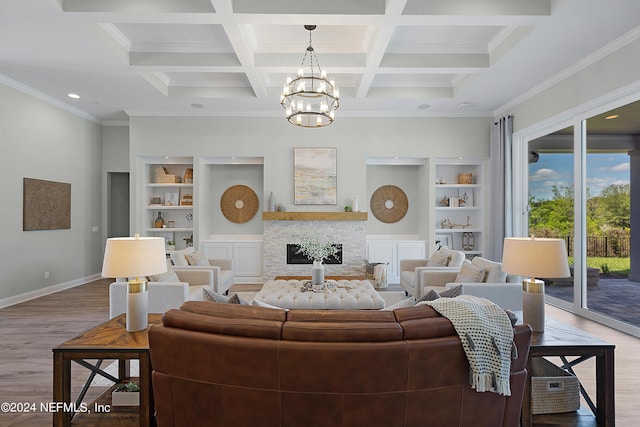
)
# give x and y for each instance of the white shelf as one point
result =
(457, 230)
(459, 208)
(182, 185)
(163, 207)
(458, 186)
(169, 230)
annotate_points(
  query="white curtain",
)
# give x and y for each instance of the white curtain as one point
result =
(501, 195)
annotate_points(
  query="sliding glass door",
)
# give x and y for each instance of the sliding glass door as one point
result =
(580, 189)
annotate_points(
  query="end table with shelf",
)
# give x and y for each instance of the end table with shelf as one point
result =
(108, 341)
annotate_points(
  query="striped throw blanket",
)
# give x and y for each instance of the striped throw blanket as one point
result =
(487, 338)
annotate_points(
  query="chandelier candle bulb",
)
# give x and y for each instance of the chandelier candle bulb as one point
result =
(323, 74)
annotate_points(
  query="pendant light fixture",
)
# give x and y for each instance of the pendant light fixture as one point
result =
(310, 100)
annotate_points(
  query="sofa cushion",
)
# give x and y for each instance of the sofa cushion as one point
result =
(470, 273)
(438, 259)
(493, 270)
(179, 257)
(168, 276)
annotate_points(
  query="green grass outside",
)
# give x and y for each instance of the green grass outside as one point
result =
(619, 266)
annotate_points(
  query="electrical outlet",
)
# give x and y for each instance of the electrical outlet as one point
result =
(95, 228)
(46, 274)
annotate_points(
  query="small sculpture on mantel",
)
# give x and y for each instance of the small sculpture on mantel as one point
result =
(446, 223)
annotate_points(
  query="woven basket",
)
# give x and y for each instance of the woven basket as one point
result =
(465, 178)
(553, 390)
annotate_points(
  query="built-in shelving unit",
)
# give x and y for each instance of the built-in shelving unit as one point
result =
(458, 214)
(168, 189)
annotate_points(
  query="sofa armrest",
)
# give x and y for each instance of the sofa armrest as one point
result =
(224, 264)
(436, 276)
(162, 296)
(507, 295)
(412, 264)
(197, 276)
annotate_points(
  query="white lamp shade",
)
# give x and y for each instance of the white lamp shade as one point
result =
(535, 257)
(134, 257)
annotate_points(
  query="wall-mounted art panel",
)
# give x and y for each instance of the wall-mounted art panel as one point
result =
(46, 205)
(315, 181)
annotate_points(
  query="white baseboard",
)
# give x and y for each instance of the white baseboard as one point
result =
(17, 299)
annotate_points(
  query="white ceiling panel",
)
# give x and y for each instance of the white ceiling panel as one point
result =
(388, 57)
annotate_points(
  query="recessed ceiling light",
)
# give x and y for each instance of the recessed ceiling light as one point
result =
(464, 105)
(614, 116)
(73, 95)
(195, 105)
(424, 106)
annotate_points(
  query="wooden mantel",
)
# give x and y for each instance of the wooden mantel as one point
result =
(314, 216)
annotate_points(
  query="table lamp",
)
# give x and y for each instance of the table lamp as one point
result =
(135, 258)
(534, 257)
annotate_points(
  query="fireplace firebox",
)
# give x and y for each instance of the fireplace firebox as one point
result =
(293, 257)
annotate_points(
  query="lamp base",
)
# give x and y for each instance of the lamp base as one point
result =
(137, 305)
(533, 304)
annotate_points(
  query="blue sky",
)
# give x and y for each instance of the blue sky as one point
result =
(603, 169)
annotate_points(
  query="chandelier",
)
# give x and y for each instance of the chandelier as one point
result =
(310, 100)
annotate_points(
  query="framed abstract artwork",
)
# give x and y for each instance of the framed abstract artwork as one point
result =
(46, 205)
(315, 176)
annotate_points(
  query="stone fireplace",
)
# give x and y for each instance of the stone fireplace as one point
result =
(289, 228)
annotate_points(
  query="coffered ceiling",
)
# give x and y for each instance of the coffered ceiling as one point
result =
(399, 58)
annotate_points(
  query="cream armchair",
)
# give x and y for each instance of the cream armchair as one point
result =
(222, 269)
(163, 295)
(416, 274)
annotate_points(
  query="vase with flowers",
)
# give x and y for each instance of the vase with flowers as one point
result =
(318, 246)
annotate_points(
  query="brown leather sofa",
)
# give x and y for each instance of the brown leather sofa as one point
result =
(237, 365)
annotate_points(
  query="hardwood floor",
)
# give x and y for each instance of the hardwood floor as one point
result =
(31, 329)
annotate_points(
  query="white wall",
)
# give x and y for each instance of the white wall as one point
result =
(273, 139)
(45, 142)
(609, 78)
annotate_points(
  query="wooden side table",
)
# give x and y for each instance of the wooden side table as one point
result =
(109, 340)
(562, 340)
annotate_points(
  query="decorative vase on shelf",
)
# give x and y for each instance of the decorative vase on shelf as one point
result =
(159, 221)
(354, 204)
(317, 273)
(271, 203)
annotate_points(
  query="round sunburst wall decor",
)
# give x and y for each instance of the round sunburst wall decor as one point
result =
(239, 203)
(389, 204)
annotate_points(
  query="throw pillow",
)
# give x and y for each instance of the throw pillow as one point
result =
(469, 273)
(179, 257)
(438, 259)
(197, 258)
(209, 295)
(513, 318)
(407, 302)
(433, 295)
(168, 276)
(235, 299)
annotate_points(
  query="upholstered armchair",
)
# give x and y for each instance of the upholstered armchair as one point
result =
(188, 259)
(163, 294)
(437, 271)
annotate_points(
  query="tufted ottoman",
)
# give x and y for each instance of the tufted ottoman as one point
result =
(347, 294)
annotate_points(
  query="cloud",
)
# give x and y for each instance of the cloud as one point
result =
(543, 174)
(621, 167)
